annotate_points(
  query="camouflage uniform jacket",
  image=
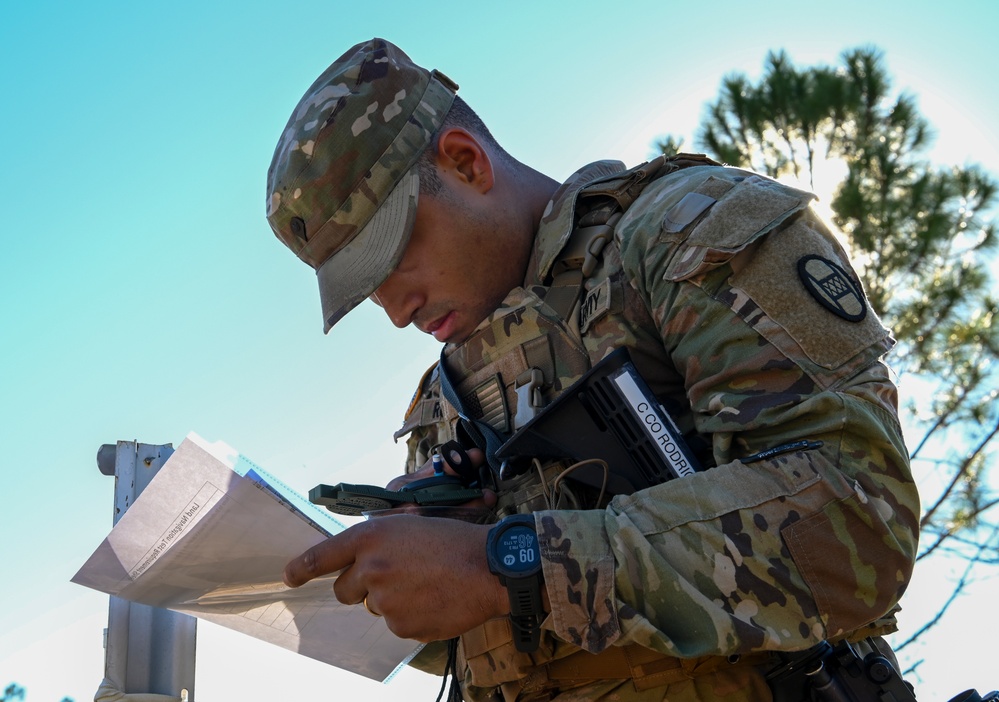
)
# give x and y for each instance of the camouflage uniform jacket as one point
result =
(741, 311)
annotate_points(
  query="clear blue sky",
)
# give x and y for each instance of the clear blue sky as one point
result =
(142, 295)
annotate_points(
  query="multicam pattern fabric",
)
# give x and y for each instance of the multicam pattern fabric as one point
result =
(523, 334)
(338, 159)
(749, 556)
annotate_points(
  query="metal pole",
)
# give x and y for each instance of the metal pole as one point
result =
(147, 649)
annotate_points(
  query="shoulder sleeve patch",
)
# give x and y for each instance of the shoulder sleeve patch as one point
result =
(832, 287)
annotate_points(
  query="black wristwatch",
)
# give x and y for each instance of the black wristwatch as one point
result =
(514, 555)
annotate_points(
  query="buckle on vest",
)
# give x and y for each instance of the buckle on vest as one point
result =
(529, 403)
(585, 246)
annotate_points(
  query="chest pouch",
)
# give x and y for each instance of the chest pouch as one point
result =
(517, 361)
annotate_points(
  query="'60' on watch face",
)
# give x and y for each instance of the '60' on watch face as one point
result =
(517, 549)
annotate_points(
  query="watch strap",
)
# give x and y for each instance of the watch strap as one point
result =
(524, 590)
(526, 610)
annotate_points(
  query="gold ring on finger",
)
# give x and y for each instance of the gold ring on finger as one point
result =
(370, 611)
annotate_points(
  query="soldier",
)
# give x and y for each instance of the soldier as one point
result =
(740, 310)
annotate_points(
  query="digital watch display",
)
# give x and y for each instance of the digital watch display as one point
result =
(514, 555)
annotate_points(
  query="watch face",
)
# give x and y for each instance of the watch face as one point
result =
(517, 549)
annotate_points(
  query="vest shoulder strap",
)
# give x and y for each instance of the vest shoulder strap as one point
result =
(601, 206)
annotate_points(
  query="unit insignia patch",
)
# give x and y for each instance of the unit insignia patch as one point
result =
(832, 287)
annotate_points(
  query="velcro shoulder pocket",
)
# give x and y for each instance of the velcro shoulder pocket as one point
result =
(722, 217)
(811, 300)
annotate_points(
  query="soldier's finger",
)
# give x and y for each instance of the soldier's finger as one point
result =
(331, 556)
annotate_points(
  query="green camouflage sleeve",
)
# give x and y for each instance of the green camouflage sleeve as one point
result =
(750, 555)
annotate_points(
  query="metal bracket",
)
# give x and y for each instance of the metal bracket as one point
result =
(146, 649)
(529, 401)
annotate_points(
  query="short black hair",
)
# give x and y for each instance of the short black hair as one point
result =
(459, 115)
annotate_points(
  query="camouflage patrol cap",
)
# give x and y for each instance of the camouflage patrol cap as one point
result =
(342, 187)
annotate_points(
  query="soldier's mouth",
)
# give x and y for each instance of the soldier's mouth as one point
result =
(442, 328)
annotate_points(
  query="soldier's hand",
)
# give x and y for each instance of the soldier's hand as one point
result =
(428, 577)
(476, 456)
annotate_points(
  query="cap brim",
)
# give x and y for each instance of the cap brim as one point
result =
(354, 272)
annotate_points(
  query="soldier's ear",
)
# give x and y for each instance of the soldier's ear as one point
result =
(462, 156)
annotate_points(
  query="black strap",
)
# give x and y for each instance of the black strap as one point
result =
(454, 454)
(451, 671)
(484, 436)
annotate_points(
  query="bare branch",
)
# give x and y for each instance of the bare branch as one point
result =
(958, 590)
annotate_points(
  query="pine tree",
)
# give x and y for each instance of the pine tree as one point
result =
(923, 242)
